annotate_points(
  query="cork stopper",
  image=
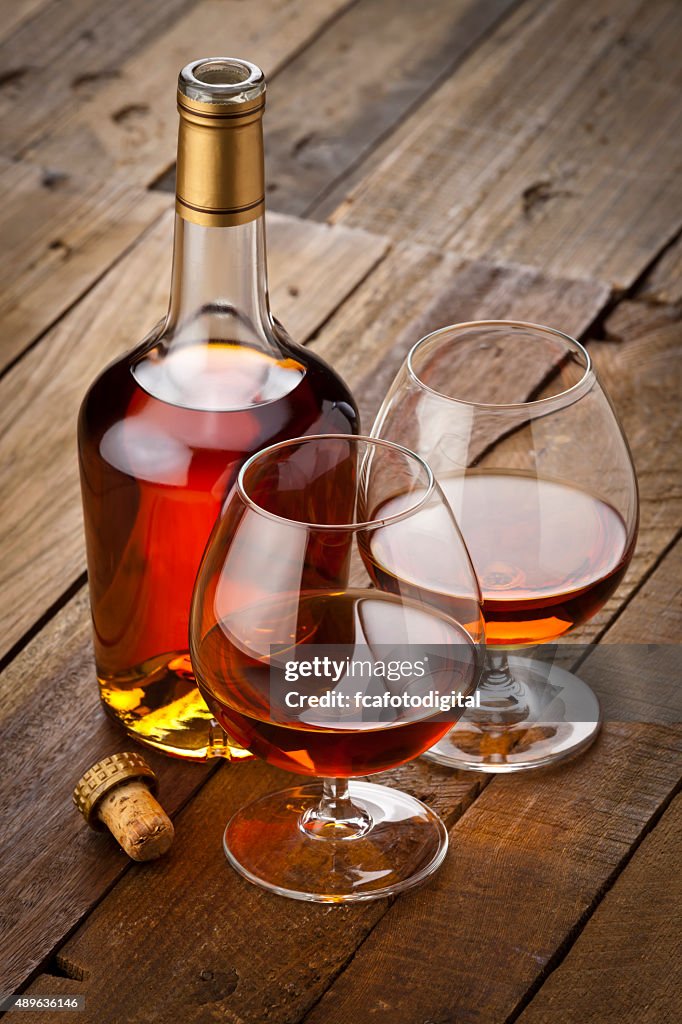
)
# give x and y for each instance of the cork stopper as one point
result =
(118, 794)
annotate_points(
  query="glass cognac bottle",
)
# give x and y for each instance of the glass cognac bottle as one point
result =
(163, 431)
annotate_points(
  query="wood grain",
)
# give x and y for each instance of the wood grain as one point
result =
(664, 282)
(130, 126)
(529, 861)
(67, 52)
(13, 14)
(53, 867)
(659, 609)
(329, 107)
(644, 651)
(416, 290)
(538, 149)
(639, 367)
(59, 235)
(626, 964)
(313, 268)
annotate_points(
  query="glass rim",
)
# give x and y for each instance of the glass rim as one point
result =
(574, 390)
(353, 438)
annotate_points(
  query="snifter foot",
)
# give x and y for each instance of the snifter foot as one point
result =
(562, 719)
(396, 842)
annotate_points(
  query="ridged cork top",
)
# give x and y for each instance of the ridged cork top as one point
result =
(103, 776)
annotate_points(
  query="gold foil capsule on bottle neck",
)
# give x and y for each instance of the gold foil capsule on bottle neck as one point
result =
(220, 178)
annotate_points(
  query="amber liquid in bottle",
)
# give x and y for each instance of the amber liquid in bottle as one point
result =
(164, 430)
(237, 684)
(548, 555)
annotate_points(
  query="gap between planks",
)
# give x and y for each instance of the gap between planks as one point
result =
(61, 235)
(48, 384)
(633, 933)
(93, 218)
(537, 150)
(444, 285)
(497, 287)
(528, 811)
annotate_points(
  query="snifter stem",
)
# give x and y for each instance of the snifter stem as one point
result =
(503, 698)
(336, 816)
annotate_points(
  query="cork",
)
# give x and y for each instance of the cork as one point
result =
(118, 794)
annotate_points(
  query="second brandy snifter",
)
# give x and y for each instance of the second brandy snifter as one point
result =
(287, 578)
(530, 455)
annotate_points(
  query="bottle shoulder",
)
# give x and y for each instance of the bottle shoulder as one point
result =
(167, 386)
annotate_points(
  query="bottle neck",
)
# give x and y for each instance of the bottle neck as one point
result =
(219, 288)
(219, 283)
(219, 349)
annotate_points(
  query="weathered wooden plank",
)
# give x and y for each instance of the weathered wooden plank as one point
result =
(627, 963)
(486, 920)
(53, 867)
(659, 607)
(538, 149)
(252, 952)
(529, 860)
(59, 235)
(313, 268)
(53, 875)
(130, 125)
(13, 14)
(639, 367)
(664, 283)
(312, 272)
(416, 290)
(329, 107)
(66, 53)
(647, 647)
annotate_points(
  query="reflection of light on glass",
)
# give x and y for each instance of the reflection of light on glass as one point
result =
(132, 446)
(218, 377)
(252, 573)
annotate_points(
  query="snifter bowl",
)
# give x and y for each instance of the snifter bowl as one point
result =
(317, 671)
(530, 456)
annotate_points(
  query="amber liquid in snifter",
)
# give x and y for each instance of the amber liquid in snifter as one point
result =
(234, 674)
(165, 428)
(548, 554)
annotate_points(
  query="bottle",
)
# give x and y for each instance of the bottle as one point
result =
(164, 430)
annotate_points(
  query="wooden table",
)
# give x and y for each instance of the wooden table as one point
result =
(427, 163)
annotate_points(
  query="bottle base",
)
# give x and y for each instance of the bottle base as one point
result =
(159, 705)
